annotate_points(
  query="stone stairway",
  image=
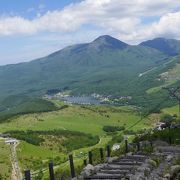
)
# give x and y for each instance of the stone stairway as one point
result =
(120, 168)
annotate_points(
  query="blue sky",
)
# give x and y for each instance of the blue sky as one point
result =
(26, 7)
(31, 29)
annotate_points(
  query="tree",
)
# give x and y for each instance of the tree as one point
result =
(167, 118)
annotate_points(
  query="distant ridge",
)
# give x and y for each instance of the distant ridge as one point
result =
(168, 46)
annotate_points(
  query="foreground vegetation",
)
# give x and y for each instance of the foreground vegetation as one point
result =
(51, 135)
(74, 129)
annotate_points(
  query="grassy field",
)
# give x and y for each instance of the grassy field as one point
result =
(86, 119)
(5, 164)
(89, 119)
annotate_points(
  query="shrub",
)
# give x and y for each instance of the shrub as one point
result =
(113, 128)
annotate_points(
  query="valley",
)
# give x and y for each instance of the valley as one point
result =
(72, 120)
(85, 97)
(89, 90)
(56, 132)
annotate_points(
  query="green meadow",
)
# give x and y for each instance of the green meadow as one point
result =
(87, 119)
(74, 118)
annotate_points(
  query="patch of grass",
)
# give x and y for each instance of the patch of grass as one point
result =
(67, 140)
(161, 135)
(36, 157)
(18, 105)
(171, 110)
(5, 163)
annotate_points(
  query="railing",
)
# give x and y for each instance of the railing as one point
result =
(28, 175)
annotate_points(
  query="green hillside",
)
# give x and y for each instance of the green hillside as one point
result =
(105, 66)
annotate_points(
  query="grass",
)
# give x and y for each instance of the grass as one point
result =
(169, 77)
(172, 110)
(77, 118)
(5, 163)
(34, 157)
(86, 119)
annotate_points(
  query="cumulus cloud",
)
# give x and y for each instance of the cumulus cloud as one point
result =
(168, 26)
(121, 18)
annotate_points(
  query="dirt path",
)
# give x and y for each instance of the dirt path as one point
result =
(16, 171)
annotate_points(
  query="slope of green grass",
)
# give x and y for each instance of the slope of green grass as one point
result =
(18, 105)
(76, 118)
(5, 163)
(86, 119)
(171, 110)
(169, 77)
(36, 157)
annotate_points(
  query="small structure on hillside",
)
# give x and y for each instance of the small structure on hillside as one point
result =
(160, 126)
(11, 141)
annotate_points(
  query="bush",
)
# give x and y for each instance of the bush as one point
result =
(71, 140)
(113, 128)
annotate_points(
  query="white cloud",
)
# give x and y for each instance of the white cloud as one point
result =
(168, 26)
(120, 18)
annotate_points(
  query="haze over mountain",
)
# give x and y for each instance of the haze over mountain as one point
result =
(105, 66)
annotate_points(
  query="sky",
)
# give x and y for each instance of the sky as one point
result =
(30, 29)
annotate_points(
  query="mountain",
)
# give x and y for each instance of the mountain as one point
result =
(168, 46)
(97, 65)
(106, 66)
(107, 41)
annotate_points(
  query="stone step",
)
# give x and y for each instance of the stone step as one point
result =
(120, 167)
(87, 178)
(169, 149)
(126, 160)
(134, 157)
(114, 171)
(126, 163)
(107, 176)
(110, 174)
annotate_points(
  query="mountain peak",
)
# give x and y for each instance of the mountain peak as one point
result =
(104, 38)
(109, 42)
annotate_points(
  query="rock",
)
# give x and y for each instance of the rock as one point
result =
(138, 177)
(111, 159)
(178, 176)
(88, 170)
(129, 154)
(74, 178)
(174, 170)
(98, 167)
(169, 158)
(159, 143)
(167, 176)
(152, 163)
